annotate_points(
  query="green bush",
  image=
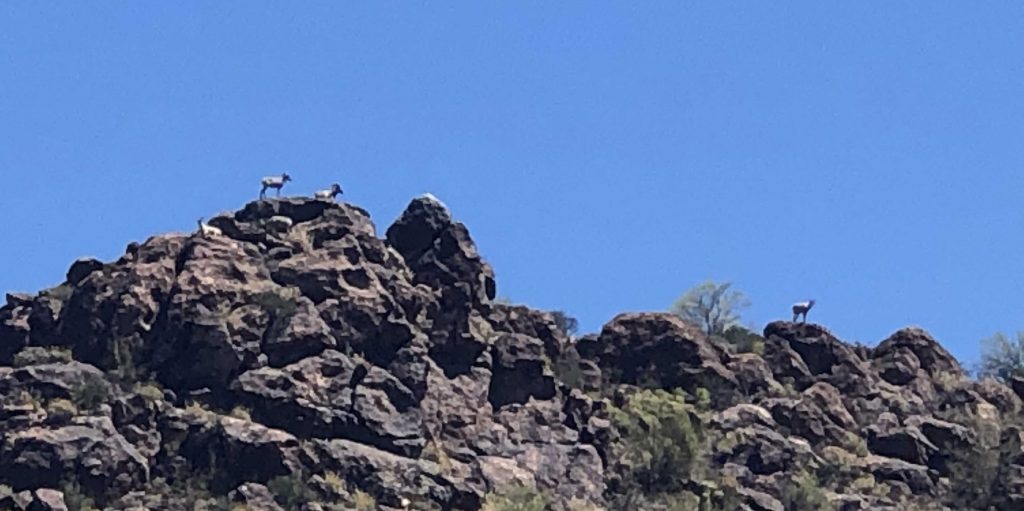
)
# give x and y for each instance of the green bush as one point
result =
(92, 392)
(659, 442)
(805, 494)
(566, 323)
(363, 501)
(279, 307)
(742, 340)
(149, 391)
(74, 498)
(35, 355)
(61, 410)
(979, 474)
(567, 368)
(517, 498)
(291, 491)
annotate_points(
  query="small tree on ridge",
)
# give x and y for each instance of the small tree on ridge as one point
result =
(711, 305)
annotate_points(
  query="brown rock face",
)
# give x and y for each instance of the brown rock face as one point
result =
(333, 350)
(660, 350)
(300, 361)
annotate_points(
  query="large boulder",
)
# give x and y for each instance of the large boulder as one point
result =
(662, 350)
(90, 450)
(825, 357)
(520, 371)
(441, 254)
(334, 396)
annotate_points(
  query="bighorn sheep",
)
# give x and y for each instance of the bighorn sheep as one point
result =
(276, 182)
(801, 309)
(206, 230)
(330, 194)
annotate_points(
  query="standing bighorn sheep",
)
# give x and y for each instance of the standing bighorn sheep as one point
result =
(206, 230)
(801, 309)
(275, 182)
(330, 194)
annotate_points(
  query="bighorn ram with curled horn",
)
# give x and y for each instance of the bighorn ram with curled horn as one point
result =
(275, 182)
(329, 194)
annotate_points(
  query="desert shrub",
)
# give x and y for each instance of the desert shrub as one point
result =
(434, 452)
(291, 491)
(74, 498)
(149, 391)
(61, 410)
(1002, 357)
(567, 368)
(703, 397)
(240, 412)
(91, 393)
(363, 501)
(335, 483)
(742, 340)
(280, 307)
(856, 444)
(566, 323)
(62, 292)
(979, 473)
(35, 355)
(805, 494)
(660, 443)
(188, 491)
(517, 498)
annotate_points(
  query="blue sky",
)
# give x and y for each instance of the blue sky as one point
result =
(606, 156)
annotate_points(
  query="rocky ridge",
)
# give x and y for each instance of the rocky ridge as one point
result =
(300, 361)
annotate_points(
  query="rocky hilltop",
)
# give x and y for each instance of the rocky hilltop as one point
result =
(300, 361)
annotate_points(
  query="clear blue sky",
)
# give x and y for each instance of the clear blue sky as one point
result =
(606, 156)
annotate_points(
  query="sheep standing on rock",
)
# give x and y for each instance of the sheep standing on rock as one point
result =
(330, 194)
(275, 182)
(206, 230)
(801, 309)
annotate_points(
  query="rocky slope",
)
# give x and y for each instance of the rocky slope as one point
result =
(302, 362)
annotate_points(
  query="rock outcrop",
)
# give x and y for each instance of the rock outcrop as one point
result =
(301, 361)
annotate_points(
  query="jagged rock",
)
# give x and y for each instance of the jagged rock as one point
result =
(233, 450)
(826, 358)
(14, 327)
(659, 349)
(385, 363)
(763, 451)
(520, 371)
(441, 254)
(255, 497)
(758, 501)
(804, 418)
(90, 450)
(742, 416)
(905, 443)
(916, 477)
(48, 500)
(332, 396)
(391, 477)
(81, 269)
(112, 316)
(754, 374)
(911, 349)
(300, 335)
(53, 380)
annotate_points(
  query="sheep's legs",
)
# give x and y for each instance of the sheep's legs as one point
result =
(263, 193)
